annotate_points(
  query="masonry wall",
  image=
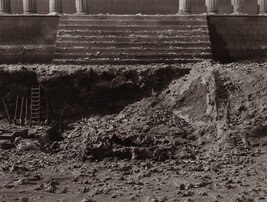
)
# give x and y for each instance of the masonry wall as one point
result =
(238, 37)
(27, 39)
(31, 39)
(135, 6)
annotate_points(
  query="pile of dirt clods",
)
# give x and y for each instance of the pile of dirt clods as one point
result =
(214, 107)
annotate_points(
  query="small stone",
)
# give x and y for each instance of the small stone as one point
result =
(114, 196)
(188, 193)
(188, 200)
(182, 186)
(84, 190)
(202, 193)
(87, 200)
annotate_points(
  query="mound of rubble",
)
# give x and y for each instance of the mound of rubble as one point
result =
(202, 137)
(215, 107)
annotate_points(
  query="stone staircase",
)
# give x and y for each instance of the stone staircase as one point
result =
(114, 39)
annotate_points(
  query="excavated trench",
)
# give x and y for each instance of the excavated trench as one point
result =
(72, 96)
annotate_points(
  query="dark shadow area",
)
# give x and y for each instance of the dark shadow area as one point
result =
(27, 39)
(87, 93)
(218, 46)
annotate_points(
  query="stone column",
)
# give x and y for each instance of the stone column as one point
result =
(81, 7)
(263, 7)
(184, 6)
(5, 7)
(238, 6)
(55, 7)
(212, 6)
(29, 6)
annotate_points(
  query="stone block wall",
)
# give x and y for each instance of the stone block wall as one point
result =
(238, 37)
(27, 39)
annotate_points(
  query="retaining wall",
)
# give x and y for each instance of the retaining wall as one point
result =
(27, 39)
(238, 37)
(31, 39)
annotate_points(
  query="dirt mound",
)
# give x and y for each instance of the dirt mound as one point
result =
(200, 137)
(219, 106)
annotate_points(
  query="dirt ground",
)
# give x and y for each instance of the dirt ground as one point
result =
(203, 137)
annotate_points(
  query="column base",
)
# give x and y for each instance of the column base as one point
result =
(54, 13)
(29, 13)
(238, 13)
(81, 13)
(184, 13)
(5, 12)
(212, 12)
(262, 13)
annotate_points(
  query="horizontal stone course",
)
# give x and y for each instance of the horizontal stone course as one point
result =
(239, 36)
(137, 39)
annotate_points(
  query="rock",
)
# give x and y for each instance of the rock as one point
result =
(85, 190)
(114, 196)
(202, 193)
(188, 200)
(5, 144)
(188, 193)
(51, 186)
(32, 132)
(182, 187)
(23, 199)
(87, 200)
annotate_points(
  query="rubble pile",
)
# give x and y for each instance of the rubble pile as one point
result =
(202, 137)
(210, 106)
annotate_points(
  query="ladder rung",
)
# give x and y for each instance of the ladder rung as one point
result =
(35, 104)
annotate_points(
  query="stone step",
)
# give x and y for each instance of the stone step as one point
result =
(131, 38)
(165, 32)
(192, 18)
(92, 50)
(124, 22)
(131, 56)
(164, 44)
(130, 27)
(125, 61)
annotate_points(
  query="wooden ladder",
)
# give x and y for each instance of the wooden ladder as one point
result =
(35, 104)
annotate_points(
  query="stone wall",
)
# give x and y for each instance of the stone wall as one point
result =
(32, 38)
(238, 37)
(135, 6)
(28, 39)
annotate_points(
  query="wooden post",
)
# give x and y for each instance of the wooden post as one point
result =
(21, 111)
(29, 7)
(81, 7)
(26, 112)
(55, 7)
(6, 110)
(212, 6)
(16, 110)
(5, 7)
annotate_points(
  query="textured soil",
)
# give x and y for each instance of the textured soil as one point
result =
(200, 136)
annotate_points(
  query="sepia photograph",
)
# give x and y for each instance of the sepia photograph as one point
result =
(133, 100)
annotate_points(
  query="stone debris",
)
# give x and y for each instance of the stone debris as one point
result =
(202, 138)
